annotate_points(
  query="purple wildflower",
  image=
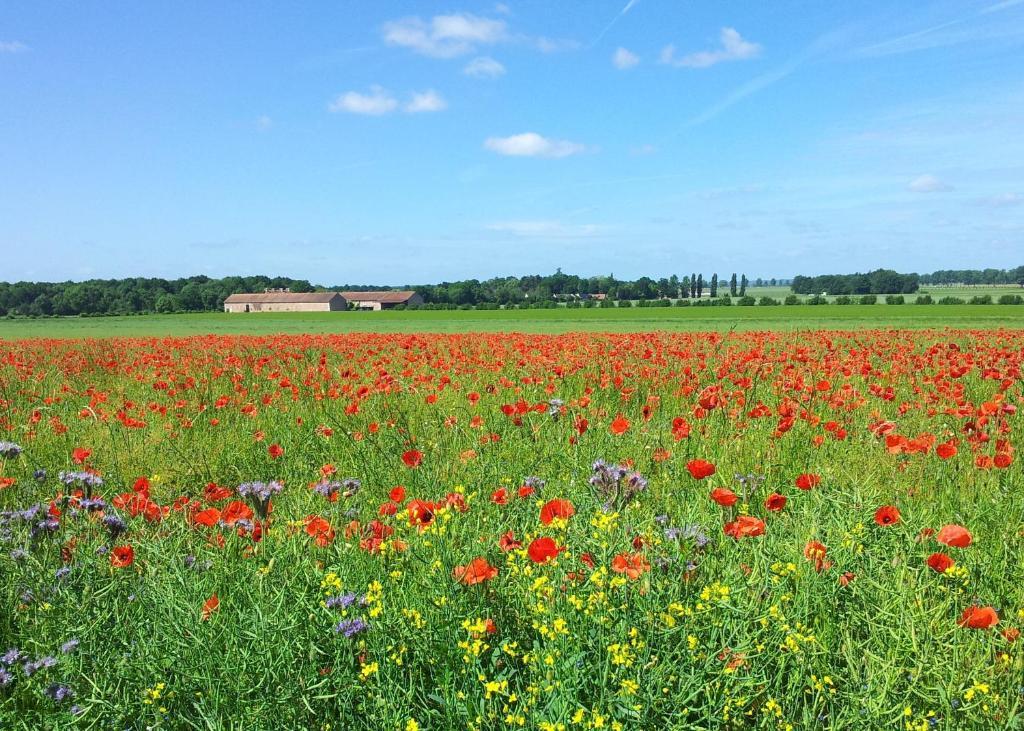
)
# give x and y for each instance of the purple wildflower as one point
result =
(351, 627)
(9, 450)
(60, 692)
(259, 494)
(344, 601)
(115, 524)
(69, 646)
(11, 656)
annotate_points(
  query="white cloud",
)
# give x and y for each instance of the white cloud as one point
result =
(734, 48)
(1005, 200)
(646, 149)
(502, 9)
(531, 144)
(928, 184)
(444, 36)
(553, 45)
(426, 101)
(12, 47)
(263, 122)
(545, 229)
(624, 59)
(378, 101)
(484, 67)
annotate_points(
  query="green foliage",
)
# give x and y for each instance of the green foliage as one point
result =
(880, 281)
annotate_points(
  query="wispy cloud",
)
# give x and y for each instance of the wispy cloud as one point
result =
(546, 229)
(628, 6)
(484, 67)
(821, 45)
(445, 36)
(264, 123)
(425, 101)
(1005, 200)
(734, 48)
(12, 47)
(531, 144)
(928, 184)
(967, 29)
(624, 59)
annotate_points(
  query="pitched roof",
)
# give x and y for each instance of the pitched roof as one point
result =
(283, 297)
(390, 297)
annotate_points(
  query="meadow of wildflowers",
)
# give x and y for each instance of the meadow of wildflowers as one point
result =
(813, 529)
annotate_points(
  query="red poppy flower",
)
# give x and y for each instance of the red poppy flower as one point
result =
(745, 526)
(979, 618)
(235, 511)
(275, 451)
(775, 502)
(887, 515)
(80, 454)
(215, 493)
(320, 530)
(525, 491)
(815, 552)
(476, 571)
(500, 496)
(412, 458)
(699, 469)
(724, 496)
(208, 517)
(620, 425)
(633, 565)
(556, 508)
(940, 562)
(954, 535)
(209, 607)
(122, 557)
(421, 513)
(808, 481)
(946, 450)
(508, 542)
(397, 494)
(543, 549)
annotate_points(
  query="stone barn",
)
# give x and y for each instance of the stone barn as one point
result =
(382, 300)
(284, 301)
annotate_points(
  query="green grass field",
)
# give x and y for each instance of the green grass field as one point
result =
(558, 320)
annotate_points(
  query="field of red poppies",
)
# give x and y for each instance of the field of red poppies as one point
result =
(798, 530)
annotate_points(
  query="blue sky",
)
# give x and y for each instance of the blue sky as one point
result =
(413, 142)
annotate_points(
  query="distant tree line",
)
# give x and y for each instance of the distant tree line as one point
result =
(880, 281)
(565, 287)
(975, 276)
(132, 296)
(200, 293)
(886, 281)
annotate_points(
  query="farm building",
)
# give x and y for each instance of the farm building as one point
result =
(381, 300)
(286, 301)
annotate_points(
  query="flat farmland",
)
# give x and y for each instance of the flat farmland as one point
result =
(800, 317)
(761, 529)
